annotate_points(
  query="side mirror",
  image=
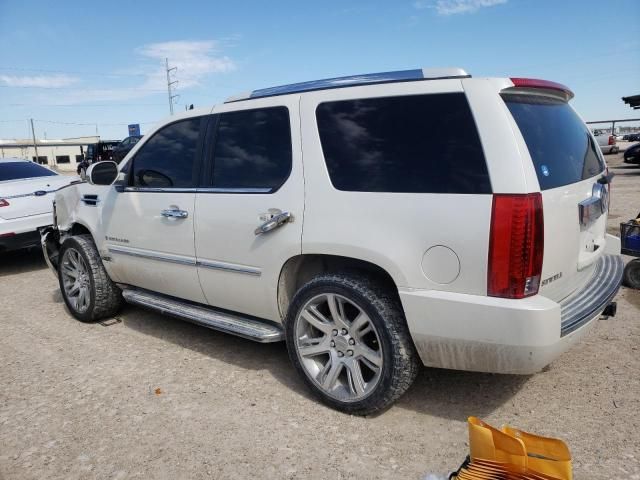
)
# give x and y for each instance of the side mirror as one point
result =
(102, 173)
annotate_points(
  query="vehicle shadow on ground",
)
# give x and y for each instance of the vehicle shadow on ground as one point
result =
(454, 395)
(21, 261)
(237, 351)
(443, 393)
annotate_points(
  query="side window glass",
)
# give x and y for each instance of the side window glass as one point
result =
(252, 149)
(168, 159)
(405, 144)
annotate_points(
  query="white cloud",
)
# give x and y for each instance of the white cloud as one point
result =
(42, 81)
(453, 7)
(195, 60)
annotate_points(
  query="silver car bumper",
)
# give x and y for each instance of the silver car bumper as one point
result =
(580, 307)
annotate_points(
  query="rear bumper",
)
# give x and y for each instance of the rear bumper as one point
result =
(27, 224)
(487, 334)
(20, 240)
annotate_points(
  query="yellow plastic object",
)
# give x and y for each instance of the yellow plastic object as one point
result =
(510, 453)
(546, 455)
(489, 443)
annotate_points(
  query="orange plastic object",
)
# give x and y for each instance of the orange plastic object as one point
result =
(546, 455)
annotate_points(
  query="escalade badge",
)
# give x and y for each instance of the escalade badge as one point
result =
(553, 278)
(115, 239)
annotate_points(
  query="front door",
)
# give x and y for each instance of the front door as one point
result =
(256, 159)
(149, 227)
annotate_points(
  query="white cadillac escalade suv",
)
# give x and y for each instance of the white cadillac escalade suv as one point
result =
(374, 223)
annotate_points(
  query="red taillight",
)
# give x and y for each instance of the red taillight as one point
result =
(4, 235)
(516, 245)
(537, 83)
(612, 140)
(3, 203)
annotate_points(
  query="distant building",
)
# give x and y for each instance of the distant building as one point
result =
(63, 154)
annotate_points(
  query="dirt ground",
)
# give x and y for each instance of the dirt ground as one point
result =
(154, 397)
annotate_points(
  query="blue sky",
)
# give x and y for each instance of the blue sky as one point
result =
(71, 62)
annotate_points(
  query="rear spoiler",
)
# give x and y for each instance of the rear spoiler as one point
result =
(526, 85)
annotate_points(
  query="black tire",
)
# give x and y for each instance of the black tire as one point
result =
(400, 360)
(631, 276)
(105, 298)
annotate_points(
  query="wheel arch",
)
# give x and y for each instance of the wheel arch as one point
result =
(299, 269)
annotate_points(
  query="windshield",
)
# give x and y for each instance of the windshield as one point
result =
(560, 145)
(18, 170)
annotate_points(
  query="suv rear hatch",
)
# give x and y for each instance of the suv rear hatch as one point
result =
(571, 174)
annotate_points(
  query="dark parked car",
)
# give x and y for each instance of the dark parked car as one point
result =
(632, 137)
(124, 147)
(632, 154)
(97, 152)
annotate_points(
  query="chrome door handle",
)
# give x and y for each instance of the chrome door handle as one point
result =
(274, 222)
(174, 213)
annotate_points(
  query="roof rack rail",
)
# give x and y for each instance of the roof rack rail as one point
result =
(353, 80)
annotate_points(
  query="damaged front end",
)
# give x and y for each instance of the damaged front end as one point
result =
(50, 242)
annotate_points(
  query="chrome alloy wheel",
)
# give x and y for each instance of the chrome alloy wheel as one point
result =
(339, 347)
(75, 278)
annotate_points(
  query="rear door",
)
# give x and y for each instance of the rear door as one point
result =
(568, 164)
(256, 173)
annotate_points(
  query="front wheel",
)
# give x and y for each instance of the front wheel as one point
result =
(87, 290)
(348, 339)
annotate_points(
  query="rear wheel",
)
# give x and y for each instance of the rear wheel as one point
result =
(631, 276)
(87, 290)
(348, 339)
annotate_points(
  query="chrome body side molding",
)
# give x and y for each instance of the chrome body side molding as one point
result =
(184, 260)
(163, 257)
(229, 267)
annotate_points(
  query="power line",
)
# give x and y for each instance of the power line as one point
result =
(75, 89)
(74, 72)
(81, 105)
(89, 124)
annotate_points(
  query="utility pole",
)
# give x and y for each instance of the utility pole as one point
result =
(35, 145)
(169, 83)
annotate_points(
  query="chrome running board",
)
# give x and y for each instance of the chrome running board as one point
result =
(232, 323)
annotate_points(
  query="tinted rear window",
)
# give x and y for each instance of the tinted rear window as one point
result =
(559, 143)
(413, 144)
(18, 170)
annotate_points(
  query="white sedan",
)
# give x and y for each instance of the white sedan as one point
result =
(26, 201)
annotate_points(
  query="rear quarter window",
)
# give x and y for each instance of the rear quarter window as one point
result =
(410, 144)
(560, 145)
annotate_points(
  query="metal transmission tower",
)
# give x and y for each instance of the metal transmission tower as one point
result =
(170, 83)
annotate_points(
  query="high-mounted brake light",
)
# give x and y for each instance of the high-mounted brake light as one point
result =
(544, 84)
(3, 203)
(516, 245)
